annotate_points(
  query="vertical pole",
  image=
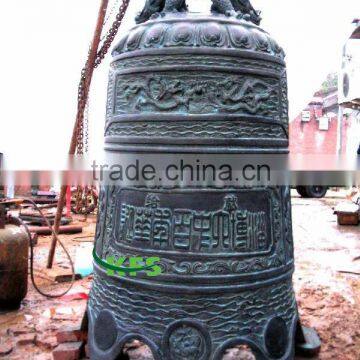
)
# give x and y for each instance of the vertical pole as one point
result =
(2, 216)
(339, 130)
(79, 119)
(68, 201)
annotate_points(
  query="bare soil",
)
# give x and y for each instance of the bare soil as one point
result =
(326, 281)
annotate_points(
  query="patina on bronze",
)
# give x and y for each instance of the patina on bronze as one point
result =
(183, 82)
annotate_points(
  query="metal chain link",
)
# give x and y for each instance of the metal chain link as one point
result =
(82, 138)
(112, 33)
(81, 107)
(86, 126)
(110, 13)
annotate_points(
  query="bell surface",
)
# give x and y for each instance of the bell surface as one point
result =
(199, 84)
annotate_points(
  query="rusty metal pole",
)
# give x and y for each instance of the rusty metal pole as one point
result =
(79, 119)
(68, 201)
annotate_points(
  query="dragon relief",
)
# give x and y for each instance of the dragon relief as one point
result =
(242, 9)
(199, 96)
(156, 7)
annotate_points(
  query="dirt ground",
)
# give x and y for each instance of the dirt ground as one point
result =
(328, 294)
(326, 280)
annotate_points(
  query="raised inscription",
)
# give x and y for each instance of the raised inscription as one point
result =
(230, 227)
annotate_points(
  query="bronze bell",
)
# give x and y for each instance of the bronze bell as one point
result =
(209, 84)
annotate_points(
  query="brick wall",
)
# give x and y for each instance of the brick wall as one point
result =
(306, 138)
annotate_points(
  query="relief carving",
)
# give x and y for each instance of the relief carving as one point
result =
(284, 102)
(141, 225)
(214, 60)
(186, 342)
(230, 33)
(182, 93)
(232, 129)
(230, 228)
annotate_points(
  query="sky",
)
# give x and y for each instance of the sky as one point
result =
(45, 43)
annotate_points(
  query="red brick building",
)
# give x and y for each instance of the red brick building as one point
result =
(315, 129)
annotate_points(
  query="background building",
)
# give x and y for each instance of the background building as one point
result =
(330, 123)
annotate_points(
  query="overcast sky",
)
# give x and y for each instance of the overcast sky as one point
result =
(45, 42)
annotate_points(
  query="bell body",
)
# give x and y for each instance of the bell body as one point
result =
(14, 248)
(186, 83)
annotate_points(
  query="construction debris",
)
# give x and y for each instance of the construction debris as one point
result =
(71, 334)
(44, 197)
(34, 238)
(69, 351)
(348, 214)
(33, 217)
(6, 349)
(59, 275)
(66, 229)
(26, 339)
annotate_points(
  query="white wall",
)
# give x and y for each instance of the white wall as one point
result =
(45, 42)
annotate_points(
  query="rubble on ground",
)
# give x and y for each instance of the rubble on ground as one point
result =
(327, 290)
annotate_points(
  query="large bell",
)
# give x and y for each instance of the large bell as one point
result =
(191, 83)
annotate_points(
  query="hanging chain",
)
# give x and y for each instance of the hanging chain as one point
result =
(86, 126)
(82, 100)
(82, 137)
(112, 33)
(110, 14)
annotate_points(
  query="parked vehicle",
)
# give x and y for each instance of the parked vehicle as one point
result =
(315, 191)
